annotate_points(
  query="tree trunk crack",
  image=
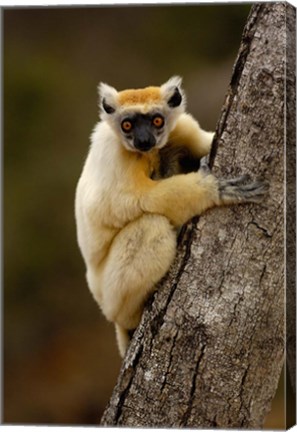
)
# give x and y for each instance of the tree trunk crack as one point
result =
(169, 363)
(264, 230)
(187, 414)
(262, 274)
(241, 396)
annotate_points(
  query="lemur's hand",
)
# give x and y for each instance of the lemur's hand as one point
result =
(241, 189)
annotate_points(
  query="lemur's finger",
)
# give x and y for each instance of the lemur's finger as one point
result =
(254, 186)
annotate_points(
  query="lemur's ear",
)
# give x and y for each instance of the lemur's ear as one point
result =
(173, 92)
(108, 98)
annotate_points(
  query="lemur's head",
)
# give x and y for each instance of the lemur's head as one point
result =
(143, 118)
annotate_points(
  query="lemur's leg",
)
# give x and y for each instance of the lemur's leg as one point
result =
(139, 257)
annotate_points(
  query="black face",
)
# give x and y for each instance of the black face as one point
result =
(143, 129)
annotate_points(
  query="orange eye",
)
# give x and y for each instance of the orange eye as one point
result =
(126, 126)
(158, 121)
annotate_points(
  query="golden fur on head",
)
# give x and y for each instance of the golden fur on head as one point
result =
(139, 96)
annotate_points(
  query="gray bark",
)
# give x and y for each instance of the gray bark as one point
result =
(210, 347)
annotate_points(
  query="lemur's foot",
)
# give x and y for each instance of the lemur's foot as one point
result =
(238, 190)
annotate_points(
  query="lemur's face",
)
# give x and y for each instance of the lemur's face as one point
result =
(142, 132)
(143, 118)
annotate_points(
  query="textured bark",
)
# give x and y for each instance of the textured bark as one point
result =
(210, 347)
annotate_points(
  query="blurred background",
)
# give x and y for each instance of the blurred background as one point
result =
(60, 360)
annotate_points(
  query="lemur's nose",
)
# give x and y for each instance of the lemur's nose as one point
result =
(145, 144)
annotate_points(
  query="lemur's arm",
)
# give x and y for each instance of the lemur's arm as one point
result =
(184, 196)
(181, 197)
(187, 133)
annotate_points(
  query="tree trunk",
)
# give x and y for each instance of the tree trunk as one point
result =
(210, 347)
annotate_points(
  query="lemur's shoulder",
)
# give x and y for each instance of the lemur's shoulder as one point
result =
(188, 133)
